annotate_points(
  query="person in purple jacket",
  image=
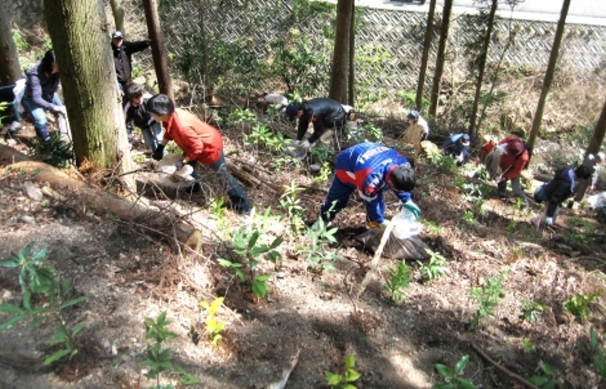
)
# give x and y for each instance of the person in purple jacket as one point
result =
(370, 168)
(41, 94)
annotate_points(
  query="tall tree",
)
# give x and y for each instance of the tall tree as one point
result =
(340, 58)
(79, 34)
(159, 54)
(553, 59)
(425, 56)
(598, 134)
(351, 97)
(10, 70)
(482, 66)
(118, 12)
(437, 78)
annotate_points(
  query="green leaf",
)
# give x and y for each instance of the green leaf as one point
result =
(350, 361)
(278, 241)
(10, 308)
(74, 301)
(39, 257)
(351, 375)
(27, 300)
(9, 263)
(443, 370)
(59, 336)
(333, 379)
(348, 386)
(11, 322)
(36, 322)
(547, 369)
(538, 380)
(443, 385)
(460, 366)
(466, 384)
(78, 328)
(253, 239)
(56, 356)
(273, 256)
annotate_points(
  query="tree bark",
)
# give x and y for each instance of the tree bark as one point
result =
(10, 69)
(437, 78)
(158, 51)
(594, 147)
(553, 59)
(425, 56)
(340, 58)
(351, 95)
(482, 67)
(79, 34)
(118, 12)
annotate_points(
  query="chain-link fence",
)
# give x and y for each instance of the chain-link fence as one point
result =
(389, 43)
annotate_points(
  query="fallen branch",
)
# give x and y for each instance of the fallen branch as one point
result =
(503, 370)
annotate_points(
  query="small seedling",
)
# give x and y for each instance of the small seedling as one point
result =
(532, 311)
(398, 279)
(213, 326)
(292, 204)
(528, 345)
(579, 304)
(323, 175)
(488, 297)
(36, 279)
(549, 380)
(453, 377)
(469, 217)
(435, 268)
(338, 381)
(432, 227)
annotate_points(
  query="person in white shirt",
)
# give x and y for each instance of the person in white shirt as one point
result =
(414, 118)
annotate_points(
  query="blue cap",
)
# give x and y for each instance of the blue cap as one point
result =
(292, 110)
(465, 140)
(413, 114)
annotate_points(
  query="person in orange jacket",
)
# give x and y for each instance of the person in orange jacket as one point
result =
(506, 162)
(200, 142)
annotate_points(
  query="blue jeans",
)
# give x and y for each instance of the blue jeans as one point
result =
(152, 135)
(235, 192)
(37, 113)
(339, 194)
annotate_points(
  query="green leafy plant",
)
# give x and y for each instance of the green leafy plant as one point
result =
(213, 326)
(432, 227)
(532, 311)
(579, 304)
(36, 279)
(469, 217)
(323, 175)
(20, 42)
(344, 381)
(291, 203)
(442, 162)
(398, 278)
(55, 152)
(318, 253)
(549, 380)
(453, 377)
(434, 268)
(237, 267)
(487, 297)
(528, 345)
(160, 360)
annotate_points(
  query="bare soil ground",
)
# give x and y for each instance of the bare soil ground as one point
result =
(310, 319)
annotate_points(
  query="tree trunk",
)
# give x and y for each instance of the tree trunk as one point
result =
(351, 96)
(88, 75)
(340, 58)
(425, 56)
(10, 70)
(159, 54)
(553, 59)
(437, 78)
(482, 67)
(118, 12)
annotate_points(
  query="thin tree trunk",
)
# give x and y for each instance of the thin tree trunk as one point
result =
(553, 59)
(88, 77)
(425, 56)
(598, 134)
(10, 70)
(482, 69)
(351, 97)
(437, 79)
(340, 58)
(157, 44)
(118, 12)
(204, 40)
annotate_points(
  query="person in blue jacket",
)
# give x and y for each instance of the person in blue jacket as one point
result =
(456, 147)
(370, 168)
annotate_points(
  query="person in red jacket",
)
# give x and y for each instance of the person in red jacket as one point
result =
(506, 162)
(199, 141)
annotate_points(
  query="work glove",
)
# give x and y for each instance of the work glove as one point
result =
(413, 208)
(305, 144)
(179, 165)
(549, 221)
(59, 110)
(382, 225)
(159, 153)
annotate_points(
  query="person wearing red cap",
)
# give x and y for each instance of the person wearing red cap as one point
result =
(506, 162)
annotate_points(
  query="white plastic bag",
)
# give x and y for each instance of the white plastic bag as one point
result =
(406, 225)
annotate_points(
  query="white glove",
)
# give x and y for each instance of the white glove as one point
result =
(305, 144)
(549, 221)
(60, 109)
